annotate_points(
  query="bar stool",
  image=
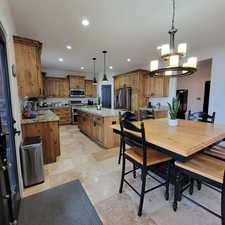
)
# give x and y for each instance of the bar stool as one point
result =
(130, 117)
(142, 157)
(206, 169)
(201, 117)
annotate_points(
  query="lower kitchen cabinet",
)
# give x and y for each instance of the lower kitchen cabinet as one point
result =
(64, 114)
(98, 129)
(49, 132)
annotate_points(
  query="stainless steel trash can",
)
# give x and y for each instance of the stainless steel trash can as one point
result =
(32, 161)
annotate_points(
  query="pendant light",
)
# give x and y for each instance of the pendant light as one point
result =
(105, 79)
(94, 80)
(172, 62)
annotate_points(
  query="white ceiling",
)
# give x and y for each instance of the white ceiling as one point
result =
(126, 28)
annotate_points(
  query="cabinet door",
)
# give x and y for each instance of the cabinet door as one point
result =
(94, 91)
(166, 84)
(148, 86)
(28, 70)
(63, 86)
(116, 83)
(88, 88)
(51, 87)
(76, 82)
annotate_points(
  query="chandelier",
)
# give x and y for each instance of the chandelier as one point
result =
(173, 62)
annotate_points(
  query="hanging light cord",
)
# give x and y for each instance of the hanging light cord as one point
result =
(173, 16)
(94, 68)
(104, 63)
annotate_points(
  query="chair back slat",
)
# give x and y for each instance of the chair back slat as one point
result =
(133, 136)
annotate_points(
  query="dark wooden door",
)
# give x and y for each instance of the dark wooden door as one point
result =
(106, 96)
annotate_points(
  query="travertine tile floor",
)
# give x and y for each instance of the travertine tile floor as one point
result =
(99, 173)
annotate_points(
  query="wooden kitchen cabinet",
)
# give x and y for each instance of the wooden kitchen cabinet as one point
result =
(49, 132)
(76, 81)
(98, 128)
(156, 87)
(64, 114)
(90, 89)
(135, 80)
(28, 67)
(56, 87)
(143, 87)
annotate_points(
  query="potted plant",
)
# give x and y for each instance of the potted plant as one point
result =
(173, 109)
(98, 102)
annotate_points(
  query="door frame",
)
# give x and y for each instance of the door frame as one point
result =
(3, 40)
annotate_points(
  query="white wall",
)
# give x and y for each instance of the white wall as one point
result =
(8, 26)
(196, 85)
(217, 92)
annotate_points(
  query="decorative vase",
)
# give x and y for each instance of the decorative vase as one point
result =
(99, 107)
(172, 123)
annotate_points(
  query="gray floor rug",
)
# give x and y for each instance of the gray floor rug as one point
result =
(67, 204)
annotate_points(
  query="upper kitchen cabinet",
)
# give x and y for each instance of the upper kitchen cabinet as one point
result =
(156, 87)
(90, 89)
(134, 80)
(56, 87)
(76, 82)
(28, 64)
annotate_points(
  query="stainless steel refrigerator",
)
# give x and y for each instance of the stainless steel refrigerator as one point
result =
(123, 97)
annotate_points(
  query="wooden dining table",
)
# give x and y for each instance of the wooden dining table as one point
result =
(181, 142)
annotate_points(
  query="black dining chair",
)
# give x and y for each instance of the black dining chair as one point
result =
(205, 169)
(202, 117)
(130, 116)
(142, 157)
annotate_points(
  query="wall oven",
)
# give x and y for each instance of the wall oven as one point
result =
(77, 92)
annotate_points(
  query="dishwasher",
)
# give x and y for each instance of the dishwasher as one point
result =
(32, 161)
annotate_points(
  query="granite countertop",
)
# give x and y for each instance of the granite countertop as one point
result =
(54, 107)
(104, 112)
(162, 108)
(43, 116)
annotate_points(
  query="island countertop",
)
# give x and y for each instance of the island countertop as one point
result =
(156, 109)
(104, 112)
(42, 116)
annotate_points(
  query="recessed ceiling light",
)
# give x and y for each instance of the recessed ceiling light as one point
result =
(110, 67)
(69, 47)
(128, 60)
(60, 59)
(82, 67)
(85, 22)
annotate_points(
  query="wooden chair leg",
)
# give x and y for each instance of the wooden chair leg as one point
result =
(123, 174)
(121, 150)
(168, 181)
(191, 189)
(134, 173)
(144, 173)
(223, 202)
(176, 190)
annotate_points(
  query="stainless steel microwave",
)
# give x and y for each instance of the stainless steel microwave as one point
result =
(77, 92)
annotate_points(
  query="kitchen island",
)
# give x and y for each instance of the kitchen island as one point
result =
(45, 125)
(96, 125)
(158, 112)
